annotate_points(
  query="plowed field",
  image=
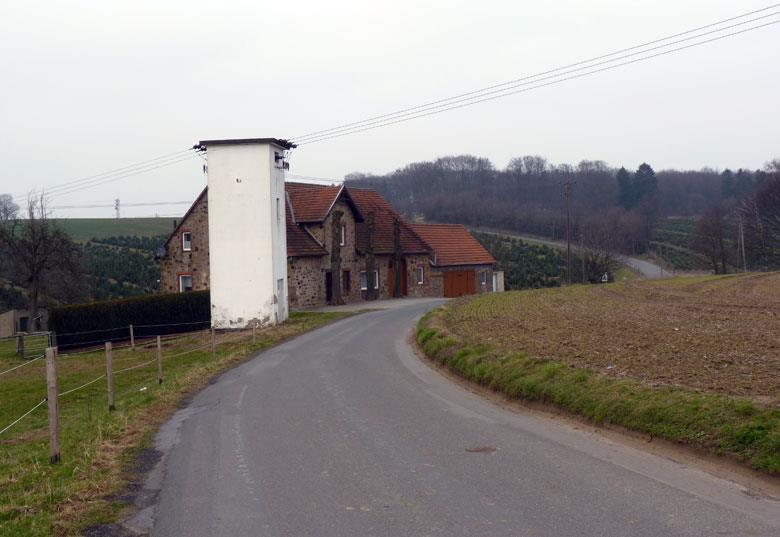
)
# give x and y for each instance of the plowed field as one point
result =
(715, 334)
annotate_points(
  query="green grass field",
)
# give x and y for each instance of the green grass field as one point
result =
(84, 229)
(99, 447)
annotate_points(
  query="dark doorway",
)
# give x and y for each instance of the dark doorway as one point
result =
(391, 279)
(346, 284)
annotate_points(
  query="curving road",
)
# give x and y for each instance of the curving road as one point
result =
(644, 268)
(345, 432)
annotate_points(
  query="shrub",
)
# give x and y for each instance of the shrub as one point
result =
(94, 323)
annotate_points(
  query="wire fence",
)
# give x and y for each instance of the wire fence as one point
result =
(165, 348)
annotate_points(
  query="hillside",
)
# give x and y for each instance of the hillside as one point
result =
(705, 333)
(84, 229)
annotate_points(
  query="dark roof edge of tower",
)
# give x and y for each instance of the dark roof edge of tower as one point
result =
(284, 144)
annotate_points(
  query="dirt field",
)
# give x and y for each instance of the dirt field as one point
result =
(717, 334)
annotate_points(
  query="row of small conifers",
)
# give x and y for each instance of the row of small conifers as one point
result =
(713, 423)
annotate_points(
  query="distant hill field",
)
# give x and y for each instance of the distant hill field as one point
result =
(84, 229)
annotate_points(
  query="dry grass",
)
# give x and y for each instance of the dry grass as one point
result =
(715, 334)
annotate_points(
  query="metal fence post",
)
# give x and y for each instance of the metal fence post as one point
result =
(254, 333)
(20, 345)
(52, 392)
(132, 338)
(159, 361)
(110, 376)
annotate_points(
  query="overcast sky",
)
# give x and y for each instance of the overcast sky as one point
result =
(91, 86)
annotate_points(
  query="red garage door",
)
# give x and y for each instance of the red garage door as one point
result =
(459, 283)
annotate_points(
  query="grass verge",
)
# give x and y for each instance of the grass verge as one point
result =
(98, 447)
(735, 427)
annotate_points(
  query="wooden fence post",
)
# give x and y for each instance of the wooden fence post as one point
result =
(213, 344)
(159, 361)
(254, 333)
(52, 396)
(20, 345)
(110, 376)
(132, 338)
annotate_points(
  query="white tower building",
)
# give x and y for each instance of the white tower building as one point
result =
(247, 231)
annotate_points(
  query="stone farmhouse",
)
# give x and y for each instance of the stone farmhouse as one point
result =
(345, 245)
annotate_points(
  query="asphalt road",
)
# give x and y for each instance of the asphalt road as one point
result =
(345, 432)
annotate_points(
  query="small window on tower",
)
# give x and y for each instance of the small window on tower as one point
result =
(278, 212)
(186, 241)
(420, 275)
(343, 240)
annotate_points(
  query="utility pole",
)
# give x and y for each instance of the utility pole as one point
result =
(116, 207)
(742, 243)
(567, 195)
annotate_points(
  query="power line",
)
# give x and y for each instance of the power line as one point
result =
(114, 178)
(506, 92)
(114, 171)
(358, 126)
(315, 179)
(109, 206)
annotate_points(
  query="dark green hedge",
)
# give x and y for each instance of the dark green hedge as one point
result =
(97, 322)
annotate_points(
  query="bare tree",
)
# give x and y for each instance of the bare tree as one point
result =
(767, 200)
(601, 238)
(709, 238)
(8, 209)
(43, 259)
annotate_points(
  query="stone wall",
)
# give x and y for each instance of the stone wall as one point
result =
(415, 289)
(195, 262)
(306, 282)
(350, 260)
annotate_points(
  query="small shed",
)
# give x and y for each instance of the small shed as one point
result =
(13, 322)
(464, 266)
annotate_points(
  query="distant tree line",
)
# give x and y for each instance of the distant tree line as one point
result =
(613, 210)
(743, 229)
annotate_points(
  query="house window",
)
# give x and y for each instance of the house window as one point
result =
(343, 239)
(185, 283)
(364, 282)
(346, 281)
(420, 275)
(186, 241)
(483, 277)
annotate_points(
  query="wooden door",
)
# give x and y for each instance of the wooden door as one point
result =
(459, 283)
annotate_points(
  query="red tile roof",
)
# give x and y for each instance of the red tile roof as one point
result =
(453, 245)
(311, 203)
(369, 201)
(299, 242)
